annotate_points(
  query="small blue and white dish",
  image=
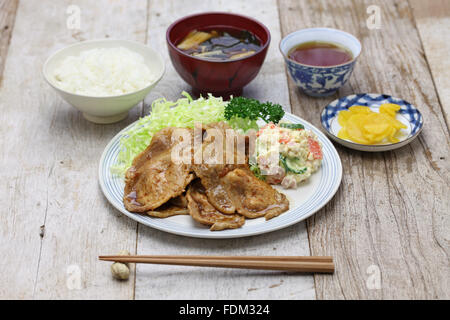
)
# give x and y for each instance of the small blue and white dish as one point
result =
(314, 80)
(408, 114)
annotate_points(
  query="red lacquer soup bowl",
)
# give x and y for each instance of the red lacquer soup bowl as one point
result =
(221, 78)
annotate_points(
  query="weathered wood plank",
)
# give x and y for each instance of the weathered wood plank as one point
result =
(171, 282)
(391, 212)
(8, 10)
(433, 23)
(50, 159)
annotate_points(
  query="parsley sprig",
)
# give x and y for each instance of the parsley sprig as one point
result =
(242, 113)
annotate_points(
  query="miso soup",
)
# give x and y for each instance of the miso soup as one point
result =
(220, 44)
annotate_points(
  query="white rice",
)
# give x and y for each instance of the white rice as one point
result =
(103, 72)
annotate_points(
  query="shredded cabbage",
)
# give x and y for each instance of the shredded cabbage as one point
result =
(182, 113)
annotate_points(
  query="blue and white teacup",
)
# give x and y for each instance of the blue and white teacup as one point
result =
(314, 80)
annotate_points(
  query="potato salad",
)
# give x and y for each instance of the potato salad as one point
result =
(286, 154)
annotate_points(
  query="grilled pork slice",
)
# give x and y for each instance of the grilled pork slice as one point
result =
(211, 176)
(154, 178)
(216, 163)
(203, 211)
(173, 207)
(253, 197)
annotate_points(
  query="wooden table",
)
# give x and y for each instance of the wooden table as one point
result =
(388, 227)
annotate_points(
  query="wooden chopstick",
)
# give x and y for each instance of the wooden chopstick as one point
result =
(286, 263)
(269, 258)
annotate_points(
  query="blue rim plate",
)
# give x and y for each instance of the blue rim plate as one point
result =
(408, 115)
(307, 199)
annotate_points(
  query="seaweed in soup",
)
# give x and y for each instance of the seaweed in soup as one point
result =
(220, 44)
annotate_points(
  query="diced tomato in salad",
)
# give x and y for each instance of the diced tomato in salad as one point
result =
(315, 149)
(271, 125)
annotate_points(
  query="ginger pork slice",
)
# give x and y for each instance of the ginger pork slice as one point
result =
(211, 176)
(201, 210)
(154, 178)
(215, 166)
(253, 197)
(173, 207)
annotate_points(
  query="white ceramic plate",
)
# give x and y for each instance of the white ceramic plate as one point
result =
(308, 198)
(408, 114)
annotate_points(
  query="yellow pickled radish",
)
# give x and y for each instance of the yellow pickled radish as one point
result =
(392, 137)
(376, 132)
(343, 134)
(390, 109)
(362, 125)
(355, 130)
(343, 117)
(375, 123)
(359, 109)
(394, 122)
(390, 106)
